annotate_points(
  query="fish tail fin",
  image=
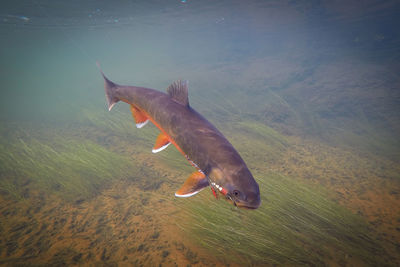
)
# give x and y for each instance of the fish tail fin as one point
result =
(110, 89)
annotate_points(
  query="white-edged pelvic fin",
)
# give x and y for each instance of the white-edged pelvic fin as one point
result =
(140, 125)
(196, 182)
(160, 148)
(190, 194)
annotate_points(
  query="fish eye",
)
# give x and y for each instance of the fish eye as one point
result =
(236, 193)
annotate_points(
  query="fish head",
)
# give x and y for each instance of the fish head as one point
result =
(237, 185)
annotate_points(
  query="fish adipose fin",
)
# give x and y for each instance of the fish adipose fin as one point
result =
(178, 91)
(196, 182)
(162, 143)
(139, 116)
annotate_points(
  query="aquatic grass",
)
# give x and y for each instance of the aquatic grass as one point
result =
(274, 138)
(257, 142)
(119, 122)
(294, 225)
(115, 121)
(60, 164)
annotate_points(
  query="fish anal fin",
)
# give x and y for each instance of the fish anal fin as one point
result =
(196, 182)
(178, 91)
(140, 117)
(162, 142)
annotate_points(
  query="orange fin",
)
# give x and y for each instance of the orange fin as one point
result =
(162, 143)
(196, 182)
(140, 118)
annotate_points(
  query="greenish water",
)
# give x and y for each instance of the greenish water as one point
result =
(307, 93)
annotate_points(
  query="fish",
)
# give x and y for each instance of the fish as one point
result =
(216, 161)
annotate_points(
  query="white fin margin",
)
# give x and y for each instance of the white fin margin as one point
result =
(111, 106)
(189, 195)
(161, 148)
(140, 125)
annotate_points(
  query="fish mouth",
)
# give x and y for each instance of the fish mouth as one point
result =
(247, 205)
(243, 205)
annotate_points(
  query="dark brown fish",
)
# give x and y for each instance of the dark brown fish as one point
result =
(217, 162)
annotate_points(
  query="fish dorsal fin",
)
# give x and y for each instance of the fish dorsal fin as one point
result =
(178, 91)
(196, 182)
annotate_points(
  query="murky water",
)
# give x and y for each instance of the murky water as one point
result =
(308, 93)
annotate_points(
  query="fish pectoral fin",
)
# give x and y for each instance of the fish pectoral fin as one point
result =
(140, 117)
(162, 142)
(196, 182)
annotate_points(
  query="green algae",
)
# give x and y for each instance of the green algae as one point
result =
(294, 225)
(297, 224)
(115, 121)
(60, 165)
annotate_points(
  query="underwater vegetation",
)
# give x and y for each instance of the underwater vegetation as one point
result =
(295, 225)
(54, 205)
(94, 193)
(59, 165)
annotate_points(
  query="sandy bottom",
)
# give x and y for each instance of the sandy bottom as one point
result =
(122, 225)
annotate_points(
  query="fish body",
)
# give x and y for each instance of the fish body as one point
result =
(218, 164)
